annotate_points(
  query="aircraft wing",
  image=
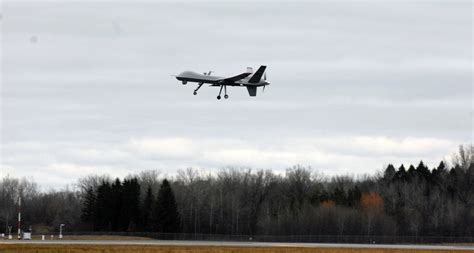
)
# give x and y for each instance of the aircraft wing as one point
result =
(237, 77)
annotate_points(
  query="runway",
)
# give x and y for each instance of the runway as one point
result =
(242, 244)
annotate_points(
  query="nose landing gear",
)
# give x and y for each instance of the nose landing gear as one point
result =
(199, 86)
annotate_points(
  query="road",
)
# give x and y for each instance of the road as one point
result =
(239, 244)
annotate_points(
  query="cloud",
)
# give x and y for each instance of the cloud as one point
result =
(354, 85)
(165, 147)
(332, 155)
(379, 145)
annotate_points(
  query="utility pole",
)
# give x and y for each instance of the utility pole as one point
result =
(19, 217)
(61, 231)
(10, 232)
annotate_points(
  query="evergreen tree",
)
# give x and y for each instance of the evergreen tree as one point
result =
(423, 171)
(453, 180)
(438, 175)
(116, 205)
(353, 196)
(412, 174)
(441, 166)
(88, 209)
(130, 210)
(401, 174)
(135, 203)
(166, 214)
(339, 196)
(147, 209)
(103, 206)
(389, 174)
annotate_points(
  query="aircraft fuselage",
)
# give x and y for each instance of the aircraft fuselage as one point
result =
(250, 80)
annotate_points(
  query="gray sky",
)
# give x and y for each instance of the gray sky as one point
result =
(86, 86)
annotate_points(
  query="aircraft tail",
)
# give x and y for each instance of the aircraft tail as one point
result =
(252, 90)
(258, 75)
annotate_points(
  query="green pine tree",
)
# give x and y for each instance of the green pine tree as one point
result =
(412, 174)
(423, 171)
(353, 196)
(389, 174)
(166, 214)
(103, 207)
(88, 209)
(401, 174)
(116, 207)
(339, 196)
(130, 200)
(146, 211)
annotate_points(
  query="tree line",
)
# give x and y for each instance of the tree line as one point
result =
(117, 207)
(400, 200)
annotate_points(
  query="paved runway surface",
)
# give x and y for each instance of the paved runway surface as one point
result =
(239, 244)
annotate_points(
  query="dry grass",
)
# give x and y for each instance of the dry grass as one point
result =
(94, 237)
(42, 248)
(457, 244)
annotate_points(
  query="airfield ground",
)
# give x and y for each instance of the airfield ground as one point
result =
(95, 238)
(156, 246)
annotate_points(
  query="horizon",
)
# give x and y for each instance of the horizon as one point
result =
(204, 173)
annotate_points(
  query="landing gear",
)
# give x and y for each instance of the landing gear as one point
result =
(199, 86)
(225, 92)
(185, 82)
(220, 91)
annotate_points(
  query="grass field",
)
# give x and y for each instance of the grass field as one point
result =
(42, 248)
(94, 237)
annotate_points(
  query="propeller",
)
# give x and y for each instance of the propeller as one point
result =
(264, 79)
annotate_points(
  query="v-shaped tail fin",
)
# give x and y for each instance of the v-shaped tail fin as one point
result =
(252, 90)
(258, 75)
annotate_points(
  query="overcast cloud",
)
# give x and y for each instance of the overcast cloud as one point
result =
(86, 87)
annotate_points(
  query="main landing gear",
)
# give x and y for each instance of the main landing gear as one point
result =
(225, 92)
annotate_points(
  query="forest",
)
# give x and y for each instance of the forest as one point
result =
(400, 200)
